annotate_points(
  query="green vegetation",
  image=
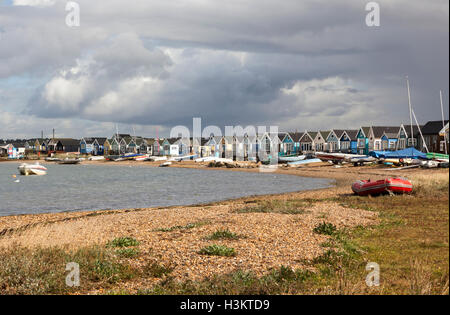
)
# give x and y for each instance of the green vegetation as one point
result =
(325, 229)
(158, 270)
(42, 270)
(218, 250)
(181, 227)
(128, 252)
(223, 235)
(123, 242)
(278, 206)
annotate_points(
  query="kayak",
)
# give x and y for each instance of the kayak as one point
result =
(394, 185)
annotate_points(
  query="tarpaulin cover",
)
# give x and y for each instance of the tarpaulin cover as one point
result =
(409, 153)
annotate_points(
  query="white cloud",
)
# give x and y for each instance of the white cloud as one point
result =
(34, 2)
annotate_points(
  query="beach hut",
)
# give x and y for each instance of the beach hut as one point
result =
(378, 135)
(348, 141)
(307, 141)
(157, 147)
(433, 139)
(214, 145)
(389, 141)
(363, 140)
(40, 145)
(64, 145)
(268, 146)
(87, 145)
(333, 140)
(291, 143)
(405, 139)
(320, 143)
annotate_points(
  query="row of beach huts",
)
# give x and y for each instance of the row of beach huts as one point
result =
(432, 137)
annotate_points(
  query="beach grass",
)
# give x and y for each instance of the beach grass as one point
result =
(223, 235)
(277, 206)
(43, 270)
(218, 250)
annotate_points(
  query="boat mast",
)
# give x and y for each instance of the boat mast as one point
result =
(443, 121)
(410, 108)
(420, 131)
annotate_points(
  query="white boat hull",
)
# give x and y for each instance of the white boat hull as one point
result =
(30, 169)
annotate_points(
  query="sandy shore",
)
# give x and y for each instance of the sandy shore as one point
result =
(267, 240)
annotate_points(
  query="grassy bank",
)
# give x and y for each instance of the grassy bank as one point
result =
(410, 244)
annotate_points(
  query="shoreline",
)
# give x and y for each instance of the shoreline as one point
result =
(341, 180)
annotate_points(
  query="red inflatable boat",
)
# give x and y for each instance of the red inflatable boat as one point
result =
(395, 185)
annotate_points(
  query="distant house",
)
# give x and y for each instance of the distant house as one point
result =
(376, 136)
(165, 147)
(389, 141)
(4, 148)
(64, 145)
(433, 139)
(405, 139)
(307, 141)
(214, 144)
(93, 145)
(348, 141)
(8, 150)
(226, 147)
(158, 149)
(40, 145)
(333, 140)
(291, 143)
(268, 146)
(238, 148)
(320, 143)
(363, 139)
(147, 146)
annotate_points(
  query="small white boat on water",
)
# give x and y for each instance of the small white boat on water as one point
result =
(32, 169)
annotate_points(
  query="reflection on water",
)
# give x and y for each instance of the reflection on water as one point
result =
(102, 187)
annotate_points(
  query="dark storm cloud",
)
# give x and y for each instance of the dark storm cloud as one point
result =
(299, 64)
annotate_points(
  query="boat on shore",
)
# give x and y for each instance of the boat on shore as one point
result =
(291, 158)
(166, 164)
(52, 159)
(183, 158)
(69, 161)
(304, 162)
(394, 185)
(32, 169)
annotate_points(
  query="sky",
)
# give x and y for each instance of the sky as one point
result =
(145, 66)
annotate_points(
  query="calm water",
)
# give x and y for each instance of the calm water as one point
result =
(102, 187)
